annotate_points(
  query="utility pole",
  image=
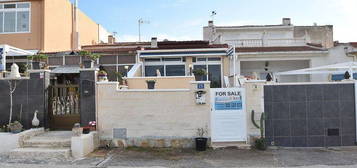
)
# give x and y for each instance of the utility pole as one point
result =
(141, 21)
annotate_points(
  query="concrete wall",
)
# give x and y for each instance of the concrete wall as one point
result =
(254, 101)
(161, 82)
(88, 30)
(151, 118)
(316, 34)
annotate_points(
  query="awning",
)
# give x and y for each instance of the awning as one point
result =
(11, 51)
(66, 69)
(327, 69)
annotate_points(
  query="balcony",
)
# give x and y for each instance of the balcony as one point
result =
(265, 42)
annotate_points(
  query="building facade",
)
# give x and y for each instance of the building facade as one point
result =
(263, 49)
(47, 25)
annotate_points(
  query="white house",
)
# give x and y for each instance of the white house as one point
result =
(263, 49)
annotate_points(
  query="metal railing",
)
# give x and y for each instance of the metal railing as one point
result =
(265, 42)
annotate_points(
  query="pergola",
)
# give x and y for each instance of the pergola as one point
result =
(10, 51)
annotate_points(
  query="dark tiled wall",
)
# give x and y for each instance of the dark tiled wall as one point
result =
(31, 94)
(302, 115)
(87, 98)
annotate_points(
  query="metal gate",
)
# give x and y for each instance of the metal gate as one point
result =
(64, 106)
(228, 117)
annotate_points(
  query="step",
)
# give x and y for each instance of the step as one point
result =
(41, 153)
(238, 145)
(47, 143)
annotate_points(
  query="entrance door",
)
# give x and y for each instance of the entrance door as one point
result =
(64, 106)
(228, 117)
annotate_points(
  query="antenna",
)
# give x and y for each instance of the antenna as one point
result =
(141, 21)
(213, 14)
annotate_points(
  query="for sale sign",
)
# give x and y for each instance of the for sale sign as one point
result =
(2, 60)
(228, 100)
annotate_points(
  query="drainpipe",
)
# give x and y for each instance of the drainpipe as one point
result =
(75, 33)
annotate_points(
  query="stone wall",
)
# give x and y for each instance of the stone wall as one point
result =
(150, 118)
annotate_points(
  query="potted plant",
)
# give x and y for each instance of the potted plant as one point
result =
(120, 77)
(86, 130)
(89, 63)
(92, 125)
(199, 74)
(15, 127)
(36, 60)
(201, 141)
(3, 129)
(151, 83)
(259, 143)
(102, 76)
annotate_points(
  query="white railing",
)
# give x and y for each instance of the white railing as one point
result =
(265, 42)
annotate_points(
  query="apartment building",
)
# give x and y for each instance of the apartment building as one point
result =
(47, 26)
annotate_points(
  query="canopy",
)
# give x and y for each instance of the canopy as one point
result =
(327, 69)
(13, 51)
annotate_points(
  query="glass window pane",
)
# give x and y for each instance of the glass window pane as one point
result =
(201, 67)
(1, 22)
(23, 21)
(23, 5)
(8, 6)
(1, 6)
(214, 59)
(175, 70)
(214, 75)
(9, 21)
(201, 59)
(151, 70)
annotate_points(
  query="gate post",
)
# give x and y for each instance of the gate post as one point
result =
(88, 78)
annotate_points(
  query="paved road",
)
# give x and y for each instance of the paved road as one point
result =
(318, 157)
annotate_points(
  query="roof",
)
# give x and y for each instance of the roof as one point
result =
(66, 69)
(164, 45)
(326, 69)
(353, 44)
(278, 49)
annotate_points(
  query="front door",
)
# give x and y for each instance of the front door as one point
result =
(228, 117)
(64, 106)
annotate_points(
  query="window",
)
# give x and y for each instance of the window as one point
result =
(15, 18)
(175, 70)
(152, 70)
(212, 65)
(173, 66)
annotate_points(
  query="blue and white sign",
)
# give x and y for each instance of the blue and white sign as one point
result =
(200, 86)
(2, 60)
(228, 100)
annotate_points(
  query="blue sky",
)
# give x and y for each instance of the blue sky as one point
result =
(184, 19)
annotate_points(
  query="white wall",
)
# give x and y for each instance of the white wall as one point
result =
(103, 34)
(247, 67)
(161, 114)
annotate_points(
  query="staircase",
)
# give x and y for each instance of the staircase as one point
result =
(238, 145)
(48, 145)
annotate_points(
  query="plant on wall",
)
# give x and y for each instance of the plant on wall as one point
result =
(92, 56)
(37, 57)
(199, 74)
(259, 143)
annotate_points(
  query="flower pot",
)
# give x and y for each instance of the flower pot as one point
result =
(260, 144)
(86, 130)
(201, 143)
(151, 85)
(88, 64)
(199, 77)
(102, 78)
(36, 65)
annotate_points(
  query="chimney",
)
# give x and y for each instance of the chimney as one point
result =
(286, 21)
(210, 23)
(154, 42)
(111, 39)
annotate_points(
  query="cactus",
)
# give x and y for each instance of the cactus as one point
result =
(262, 121)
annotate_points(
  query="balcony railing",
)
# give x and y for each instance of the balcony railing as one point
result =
(266, 42)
